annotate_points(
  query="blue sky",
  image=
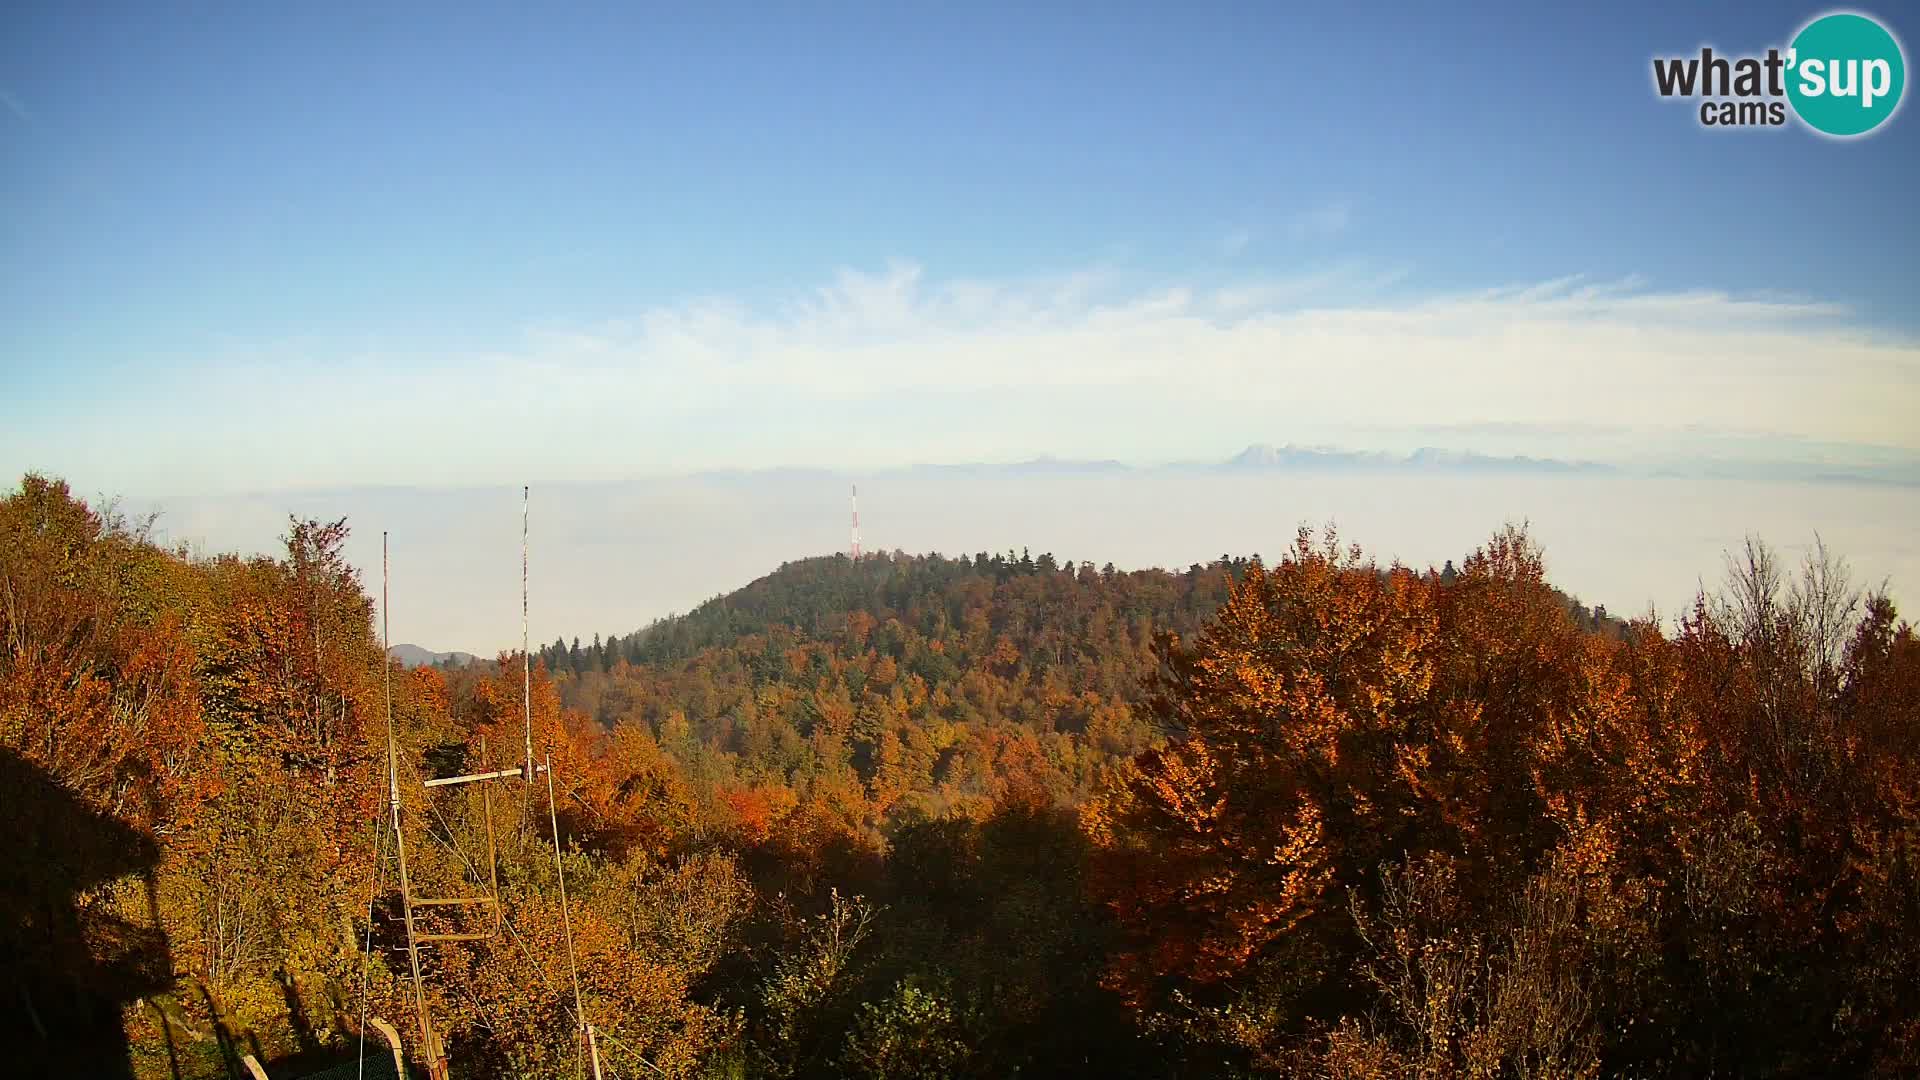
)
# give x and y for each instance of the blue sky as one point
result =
(251, 250)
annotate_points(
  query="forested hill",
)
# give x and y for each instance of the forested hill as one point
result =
(933, 596)
(938, 680)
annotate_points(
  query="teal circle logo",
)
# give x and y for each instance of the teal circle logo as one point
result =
(1845, 74)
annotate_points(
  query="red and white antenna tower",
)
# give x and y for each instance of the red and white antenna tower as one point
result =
(853, 551)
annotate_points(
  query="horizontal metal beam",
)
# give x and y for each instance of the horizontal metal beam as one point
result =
(452, 937)
(430, 901)
(497, 774)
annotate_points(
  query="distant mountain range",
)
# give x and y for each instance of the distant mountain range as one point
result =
(414, 656)
(1902, 470)
(1262, 456)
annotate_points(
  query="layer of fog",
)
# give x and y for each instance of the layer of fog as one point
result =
(608, 558)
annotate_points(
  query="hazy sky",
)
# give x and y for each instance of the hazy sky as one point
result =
(250, 250)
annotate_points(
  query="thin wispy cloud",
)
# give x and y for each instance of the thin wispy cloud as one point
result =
(1354, 282)
(1576, 295)
(1235, 242)
(17, 107)
(896, 366)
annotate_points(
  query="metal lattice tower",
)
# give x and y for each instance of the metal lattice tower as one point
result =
(853, 550)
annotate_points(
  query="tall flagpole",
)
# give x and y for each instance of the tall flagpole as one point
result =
(526, 656)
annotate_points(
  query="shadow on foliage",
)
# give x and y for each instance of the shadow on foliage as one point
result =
(73, 963)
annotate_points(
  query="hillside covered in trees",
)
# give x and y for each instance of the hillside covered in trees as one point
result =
(936, 683)
(979, 817)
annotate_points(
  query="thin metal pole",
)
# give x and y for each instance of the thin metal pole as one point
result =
(493, 859)
(566, 917)
(399, 836)
(526, 656)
